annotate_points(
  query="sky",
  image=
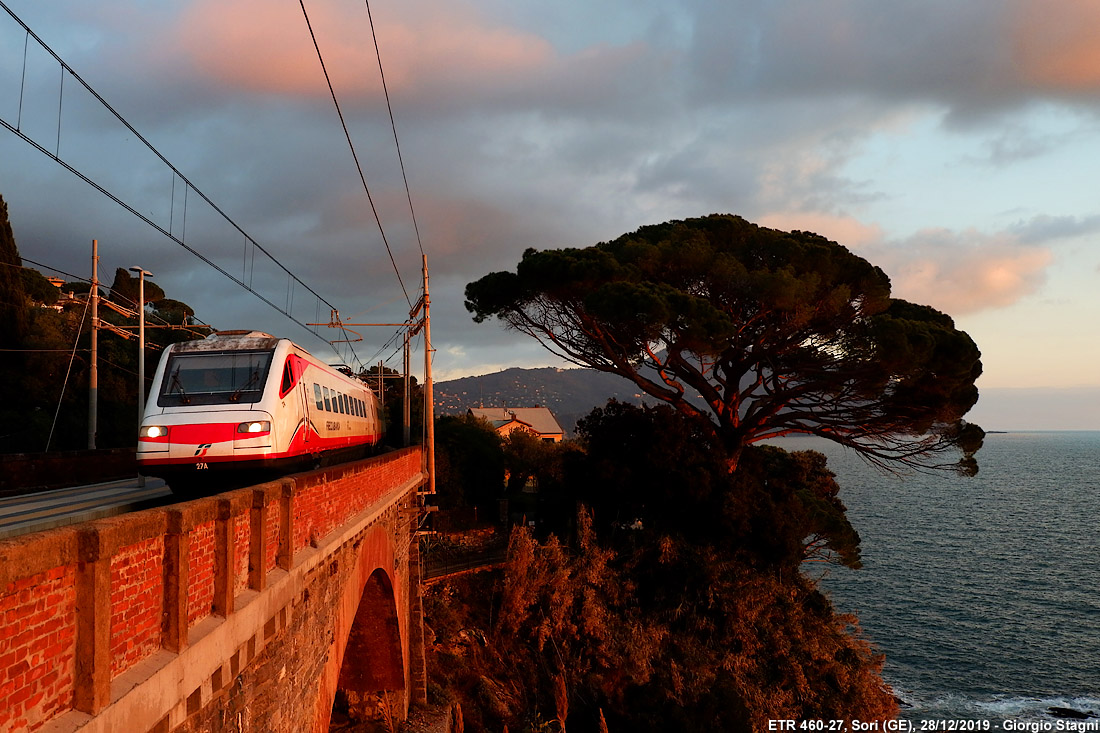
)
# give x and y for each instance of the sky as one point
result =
(952, 144)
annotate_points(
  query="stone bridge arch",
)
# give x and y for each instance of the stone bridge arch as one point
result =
(368, 672)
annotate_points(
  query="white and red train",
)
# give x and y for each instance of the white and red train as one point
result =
(241, 401)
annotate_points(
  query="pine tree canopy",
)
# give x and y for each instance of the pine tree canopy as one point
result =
(765, 333)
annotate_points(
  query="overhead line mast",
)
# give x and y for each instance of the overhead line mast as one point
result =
(413, 326)
(93, 370)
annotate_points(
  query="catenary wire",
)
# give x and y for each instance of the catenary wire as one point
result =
(56, 157)
(393, 125)
(354, 155)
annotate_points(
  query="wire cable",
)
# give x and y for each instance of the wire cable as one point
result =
(397, 144)
(354, 156)
(156, 317)
(68, 371)
(55, 155)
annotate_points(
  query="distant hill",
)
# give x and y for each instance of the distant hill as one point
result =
(569, 393)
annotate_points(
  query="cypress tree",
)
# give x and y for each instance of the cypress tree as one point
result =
(13, 310)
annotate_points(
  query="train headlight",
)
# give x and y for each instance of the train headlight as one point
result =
(153, 431)
(254, 427)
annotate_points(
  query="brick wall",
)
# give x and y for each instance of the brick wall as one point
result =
(297, 653)
(242, 533)
(137, 587)
(82, 606)
(273, 527)
(200, 580)
(37, 647)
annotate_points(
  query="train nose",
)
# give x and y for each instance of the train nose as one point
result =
(196, 442)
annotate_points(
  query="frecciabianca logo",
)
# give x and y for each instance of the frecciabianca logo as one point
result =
(202, 449)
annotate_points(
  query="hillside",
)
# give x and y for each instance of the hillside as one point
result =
(569, 393)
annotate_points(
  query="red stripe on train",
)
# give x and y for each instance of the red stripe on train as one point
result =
(201, 433)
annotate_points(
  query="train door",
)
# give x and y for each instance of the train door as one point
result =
(293, 370)
(303, 395)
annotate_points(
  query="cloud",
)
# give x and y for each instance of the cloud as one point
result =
(1055, 45)
(846, 230)
(962, 272)
(264, 47)
(553, 125)
(973, 58)
(956, 272)
(1045, 228)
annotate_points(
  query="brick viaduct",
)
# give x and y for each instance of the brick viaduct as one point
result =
(249, 610)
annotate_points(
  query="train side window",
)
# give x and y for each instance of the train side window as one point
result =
(292, 373)
(317, 396)
(328, 405)
(344, 403)
(288, 379)
(360, 404)
(340, 403)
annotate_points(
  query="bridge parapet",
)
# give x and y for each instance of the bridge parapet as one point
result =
(137, 622)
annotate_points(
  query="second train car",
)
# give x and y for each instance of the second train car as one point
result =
(242, 402)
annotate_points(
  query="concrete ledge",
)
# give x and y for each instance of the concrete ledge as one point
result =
(27, 556)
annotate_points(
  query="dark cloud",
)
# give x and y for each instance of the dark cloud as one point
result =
(973, 58)
(1044, 229)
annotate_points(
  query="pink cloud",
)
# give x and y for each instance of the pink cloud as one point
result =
(956, 272)
(846, 230)
(1055, 43)
(965, 272)
(257, 45)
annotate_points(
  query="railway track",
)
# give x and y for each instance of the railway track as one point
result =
(59, 507)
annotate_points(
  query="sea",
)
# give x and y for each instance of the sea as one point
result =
(983, 593)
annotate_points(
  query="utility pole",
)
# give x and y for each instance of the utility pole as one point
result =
(429, 408)
(381, 386)
(406, 414)
(93, 372)
(142, 274)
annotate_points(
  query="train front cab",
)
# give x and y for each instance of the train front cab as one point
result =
(215, 409)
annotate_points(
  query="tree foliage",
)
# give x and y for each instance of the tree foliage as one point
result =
(40, 290)
(668, 634)
(469, 462)
(44, 375)
(13, 318)
(677, 604)
(764, 333)
(124, 289)
(650, 471)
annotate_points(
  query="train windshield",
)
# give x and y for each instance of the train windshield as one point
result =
(214, 378)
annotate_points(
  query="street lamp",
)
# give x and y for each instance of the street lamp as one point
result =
(142, 274)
